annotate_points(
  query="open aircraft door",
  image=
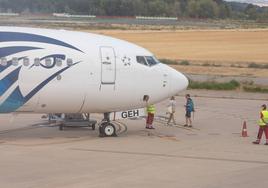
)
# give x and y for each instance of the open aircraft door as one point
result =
(108, 65)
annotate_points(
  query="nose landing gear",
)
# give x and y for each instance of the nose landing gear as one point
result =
(106, 128)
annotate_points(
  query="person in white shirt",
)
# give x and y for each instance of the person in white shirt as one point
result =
(171, 110)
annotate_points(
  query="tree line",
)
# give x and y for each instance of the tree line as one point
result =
(218, 9)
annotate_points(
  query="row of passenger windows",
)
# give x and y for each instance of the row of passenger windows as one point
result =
(147, 60)
(144, 60)
(36, 61)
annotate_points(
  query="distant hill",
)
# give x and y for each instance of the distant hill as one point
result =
(249, 9)
(237, 6)
(255, 2)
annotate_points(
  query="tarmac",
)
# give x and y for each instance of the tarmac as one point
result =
(212, 154)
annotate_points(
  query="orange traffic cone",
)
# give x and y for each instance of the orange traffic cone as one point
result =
(244, 130)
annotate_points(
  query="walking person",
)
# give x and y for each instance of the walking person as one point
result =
(171, 110)
(263, 125)
(150, 108)
(189, 108)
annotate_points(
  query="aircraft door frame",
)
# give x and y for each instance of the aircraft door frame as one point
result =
(108, 65)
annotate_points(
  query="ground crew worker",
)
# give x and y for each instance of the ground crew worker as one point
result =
(150, 108)
(263, 123)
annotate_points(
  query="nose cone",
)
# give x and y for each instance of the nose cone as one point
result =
(179, 82)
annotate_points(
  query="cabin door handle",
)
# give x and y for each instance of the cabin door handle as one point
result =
(106, 63)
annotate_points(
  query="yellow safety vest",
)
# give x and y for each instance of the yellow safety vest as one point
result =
(151, 109)
(264, 121)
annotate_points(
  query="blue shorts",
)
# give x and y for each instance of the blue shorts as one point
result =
(188, 114)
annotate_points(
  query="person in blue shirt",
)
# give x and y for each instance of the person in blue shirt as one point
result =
(189, 108)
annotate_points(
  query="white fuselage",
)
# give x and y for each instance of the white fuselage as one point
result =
(73, 72)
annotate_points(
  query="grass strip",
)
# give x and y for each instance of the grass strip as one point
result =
(211, 85)
(255, 89)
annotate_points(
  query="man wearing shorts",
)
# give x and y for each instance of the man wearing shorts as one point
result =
(189, 108)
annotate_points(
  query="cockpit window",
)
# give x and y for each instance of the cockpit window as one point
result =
(141, 60)
(151, 60)
(147, 60)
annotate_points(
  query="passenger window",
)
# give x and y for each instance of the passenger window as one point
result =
(36, 62)
(48, 62)
(69, 62)
(58, 62)
(4, 61)
(26, 62)
(15, 61)
(141, 60)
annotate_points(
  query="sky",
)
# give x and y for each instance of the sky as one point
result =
(257, 2)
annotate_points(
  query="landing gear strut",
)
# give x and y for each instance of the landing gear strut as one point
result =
(107, 129)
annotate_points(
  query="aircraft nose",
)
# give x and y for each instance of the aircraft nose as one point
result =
(179, 82)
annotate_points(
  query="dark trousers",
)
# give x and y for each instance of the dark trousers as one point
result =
(150, 119)
(261, 130)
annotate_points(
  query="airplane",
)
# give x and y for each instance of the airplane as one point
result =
(59, 71)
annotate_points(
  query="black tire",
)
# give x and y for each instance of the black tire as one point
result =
(101, 134)
(93, 126)
(107, 129)
(61, 127)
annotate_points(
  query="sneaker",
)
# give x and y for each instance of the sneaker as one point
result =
(190, 126)
(147, 127)
(151, 128)
(185, 125)
(255, 142)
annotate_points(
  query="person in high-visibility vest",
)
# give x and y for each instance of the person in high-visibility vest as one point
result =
(150, 108)
(263, 125)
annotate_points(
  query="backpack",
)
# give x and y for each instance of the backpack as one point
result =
(190, 105)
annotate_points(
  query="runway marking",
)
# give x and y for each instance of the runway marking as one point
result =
(214, 134)
(171, 156)
(50, 143)
(176, 126)
(191, 134)
(159, 135)
(72, 137)
(46, 137)
(34, 126)
(122, 128)
(164, 119)
(171, 138)
(68, 139)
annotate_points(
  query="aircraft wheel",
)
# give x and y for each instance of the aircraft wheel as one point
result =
(107, 130)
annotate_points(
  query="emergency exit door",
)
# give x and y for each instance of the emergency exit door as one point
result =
(108, 65)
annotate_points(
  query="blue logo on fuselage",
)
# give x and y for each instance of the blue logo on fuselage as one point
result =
(15, 99)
